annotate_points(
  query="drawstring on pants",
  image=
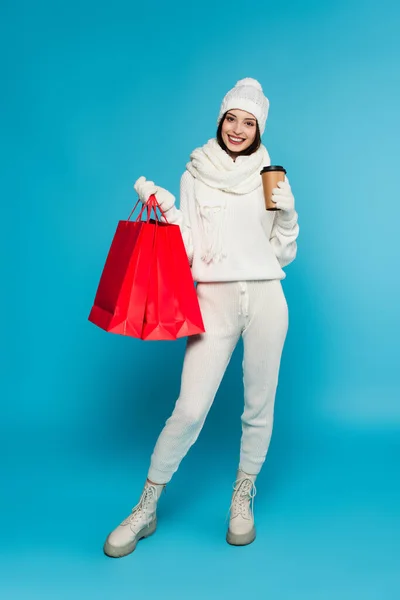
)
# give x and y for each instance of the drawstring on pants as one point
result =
(243, 299)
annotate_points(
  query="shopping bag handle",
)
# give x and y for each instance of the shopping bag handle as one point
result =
(151, 204)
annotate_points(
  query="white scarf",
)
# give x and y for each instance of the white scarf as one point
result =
(216, 172)
(217, 169)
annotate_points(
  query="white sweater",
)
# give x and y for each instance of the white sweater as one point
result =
(257, 243)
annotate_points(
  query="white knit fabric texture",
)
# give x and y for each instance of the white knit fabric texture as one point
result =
(256, 310)
(247, 95)
(256, 243)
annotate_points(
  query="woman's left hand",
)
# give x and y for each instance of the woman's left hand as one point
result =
(283, 197)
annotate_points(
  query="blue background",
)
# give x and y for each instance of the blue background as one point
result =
(95, 95)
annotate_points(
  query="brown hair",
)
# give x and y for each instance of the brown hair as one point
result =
(252, 148)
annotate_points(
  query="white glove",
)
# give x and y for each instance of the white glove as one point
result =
(145, 188)
(283, 198)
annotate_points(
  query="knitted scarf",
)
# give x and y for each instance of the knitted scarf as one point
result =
(216, 168)
(215, 172)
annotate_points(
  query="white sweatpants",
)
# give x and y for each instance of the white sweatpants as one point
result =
(258, 311)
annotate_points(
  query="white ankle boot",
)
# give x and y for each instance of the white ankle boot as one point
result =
(141, 523)
(241, 530)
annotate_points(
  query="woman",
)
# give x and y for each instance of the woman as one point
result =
(236, 250)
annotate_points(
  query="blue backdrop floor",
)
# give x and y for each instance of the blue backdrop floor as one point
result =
(327, 526)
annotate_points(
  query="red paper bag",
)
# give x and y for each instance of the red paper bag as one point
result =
(140, 293)
(159, 317)
(187, 310)
(172, 308)
(120, 300)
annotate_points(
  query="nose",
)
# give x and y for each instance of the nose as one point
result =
(237, 128)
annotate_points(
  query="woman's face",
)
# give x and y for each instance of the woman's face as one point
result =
(238, 130)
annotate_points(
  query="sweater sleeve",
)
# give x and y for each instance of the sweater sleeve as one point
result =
(180, 216)
(284, 233)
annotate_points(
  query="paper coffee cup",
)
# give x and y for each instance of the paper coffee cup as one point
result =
(270, 177)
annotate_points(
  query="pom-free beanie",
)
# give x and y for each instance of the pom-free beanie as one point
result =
(247, 95)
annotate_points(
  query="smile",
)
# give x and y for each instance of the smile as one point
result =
(235, 140)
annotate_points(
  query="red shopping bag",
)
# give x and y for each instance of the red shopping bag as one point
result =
(159, 318)
(126, 270)
(172, 308)
(187, 311)
(140, 292)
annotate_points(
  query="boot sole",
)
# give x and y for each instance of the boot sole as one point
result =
(120, 551)
(241, 539)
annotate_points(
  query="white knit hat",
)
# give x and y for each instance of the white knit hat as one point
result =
(247, 95)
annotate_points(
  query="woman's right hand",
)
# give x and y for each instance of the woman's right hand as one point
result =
(145, 188)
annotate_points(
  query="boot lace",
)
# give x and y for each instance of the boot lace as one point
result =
(143, 507)
(242, 499)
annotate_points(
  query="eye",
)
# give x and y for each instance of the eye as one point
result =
(250, 123)
(229, 118)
